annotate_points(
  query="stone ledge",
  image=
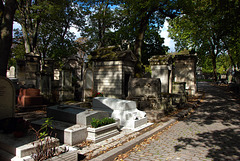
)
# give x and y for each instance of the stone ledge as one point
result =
(29, 148)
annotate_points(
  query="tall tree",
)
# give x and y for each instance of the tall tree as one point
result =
(152, 45)
(46, 27)
(7, 11)
(55, 37)
(199, 28)
(143, 13)
(45, 18)
(209, 26)
(101, 19)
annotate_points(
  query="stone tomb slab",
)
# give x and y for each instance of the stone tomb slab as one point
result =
(74, 114)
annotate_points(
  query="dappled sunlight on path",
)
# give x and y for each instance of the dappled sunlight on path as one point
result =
(212, 132)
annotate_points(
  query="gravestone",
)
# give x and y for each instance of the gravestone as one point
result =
(7, 98)
(20, 71)
(11, 72)
(67, 90)
(72, 122)
(29, 97)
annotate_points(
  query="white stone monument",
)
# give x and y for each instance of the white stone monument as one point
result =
(124, 110)
(12, 72)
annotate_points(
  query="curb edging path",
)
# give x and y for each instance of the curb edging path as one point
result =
(110, 155)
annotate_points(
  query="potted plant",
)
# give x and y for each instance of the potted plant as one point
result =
(102, 129)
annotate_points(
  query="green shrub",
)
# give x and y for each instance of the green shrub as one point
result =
(105, 121)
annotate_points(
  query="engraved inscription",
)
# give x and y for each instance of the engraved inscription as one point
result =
(2, 90)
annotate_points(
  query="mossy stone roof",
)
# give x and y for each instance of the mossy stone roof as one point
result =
(112, 53)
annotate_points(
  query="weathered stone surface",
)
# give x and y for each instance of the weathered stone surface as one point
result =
(144, 87)
(112, 70)
(30, 148)
(185, 71)
(179, 87)
(146, 92)
(162, 72)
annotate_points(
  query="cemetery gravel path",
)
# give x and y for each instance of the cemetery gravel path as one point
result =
(212, 132)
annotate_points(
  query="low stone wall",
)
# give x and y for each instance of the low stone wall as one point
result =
(146, 92)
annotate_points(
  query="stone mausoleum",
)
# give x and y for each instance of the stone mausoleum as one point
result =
(175, 69)
(112, 69)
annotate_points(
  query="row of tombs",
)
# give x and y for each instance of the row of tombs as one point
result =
(126, 99)
(172, 78)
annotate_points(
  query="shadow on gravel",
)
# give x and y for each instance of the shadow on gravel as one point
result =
(218, 107)
(222, 144)
(224, 112)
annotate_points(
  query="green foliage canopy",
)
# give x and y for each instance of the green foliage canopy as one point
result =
(202, 27)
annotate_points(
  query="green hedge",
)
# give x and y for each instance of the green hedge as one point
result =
(105, 121)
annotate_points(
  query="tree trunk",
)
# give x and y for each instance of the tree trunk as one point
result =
(214, 66)
(26, 40)
(232, 60)
(140, 35)
(6, 25)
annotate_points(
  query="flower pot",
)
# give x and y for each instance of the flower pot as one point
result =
(103, 132)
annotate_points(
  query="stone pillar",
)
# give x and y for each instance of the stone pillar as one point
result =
(32, 66)
(66, 91)
(87, 84)
(47, 76)
(20, 71)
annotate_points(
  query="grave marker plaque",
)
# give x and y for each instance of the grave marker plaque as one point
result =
(88, 79)
(7, 98)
